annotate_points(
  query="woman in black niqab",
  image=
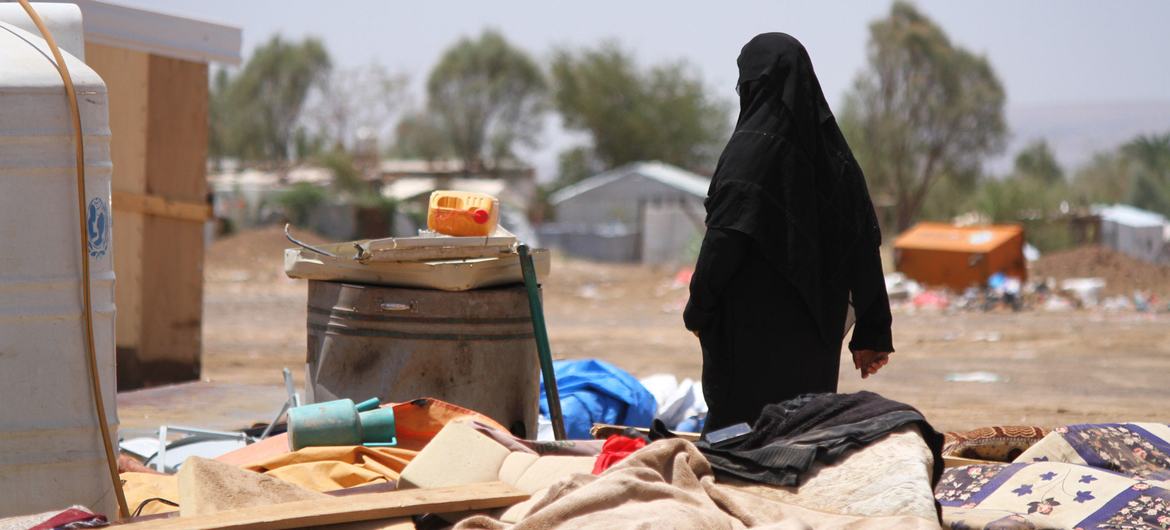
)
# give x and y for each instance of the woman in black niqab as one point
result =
(792, 241)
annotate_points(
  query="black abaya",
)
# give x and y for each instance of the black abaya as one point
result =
(792, 237)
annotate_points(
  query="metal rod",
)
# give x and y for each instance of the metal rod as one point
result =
(294, 400)
(272, 424)
(528, 268)
(161, 464)
(304, 245)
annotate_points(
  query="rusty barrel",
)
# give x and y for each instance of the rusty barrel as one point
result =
(472, 348)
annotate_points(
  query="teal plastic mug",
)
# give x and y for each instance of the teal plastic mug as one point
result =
(329, 423)
(378, 427)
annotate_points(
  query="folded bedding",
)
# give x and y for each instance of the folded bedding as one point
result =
(1077, 477)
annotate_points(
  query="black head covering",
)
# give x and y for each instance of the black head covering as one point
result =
(788, 180)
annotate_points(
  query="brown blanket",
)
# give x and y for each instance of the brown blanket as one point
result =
(669, 484)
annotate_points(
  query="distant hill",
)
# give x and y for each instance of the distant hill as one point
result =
(1077, 131)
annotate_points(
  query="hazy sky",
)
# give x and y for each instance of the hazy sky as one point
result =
(1045, 51)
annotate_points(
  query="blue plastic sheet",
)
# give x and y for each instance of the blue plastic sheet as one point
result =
(595, 391)
(692, 424)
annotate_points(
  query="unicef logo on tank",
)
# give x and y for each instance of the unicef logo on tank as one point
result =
(97, 227)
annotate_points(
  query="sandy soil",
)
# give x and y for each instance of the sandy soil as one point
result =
(1052, 368)
(1123, 275)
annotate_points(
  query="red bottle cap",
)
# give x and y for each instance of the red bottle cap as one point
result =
(480, 216)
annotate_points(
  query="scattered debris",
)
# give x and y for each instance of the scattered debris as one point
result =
(990, 336)
(1085, 290)
(590, 291)
(1122, 274)
(974, 377)
(681, 405)
(936, 300)
(1057, 304)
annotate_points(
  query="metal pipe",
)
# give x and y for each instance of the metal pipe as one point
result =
(528, 268)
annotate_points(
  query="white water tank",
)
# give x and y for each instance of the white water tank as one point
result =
(51, 455)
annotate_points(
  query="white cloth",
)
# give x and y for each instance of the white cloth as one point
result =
(677, 400)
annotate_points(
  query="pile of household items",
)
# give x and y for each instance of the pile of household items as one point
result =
(820, 461)
(1006, 293)
(512, 440)
(849, 459)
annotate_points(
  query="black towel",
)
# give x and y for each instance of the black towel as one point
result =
(788, 437)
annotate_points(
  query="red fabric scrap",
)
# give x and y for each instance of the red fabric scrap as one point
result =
(73, 518)
(615, 449)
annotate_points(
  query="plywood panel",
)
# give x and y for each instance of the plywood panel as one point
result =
(125, 74)
(340, 510)
(172, 260)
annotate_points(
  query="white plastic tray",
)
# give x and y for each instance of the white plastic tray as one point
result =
(445, 275)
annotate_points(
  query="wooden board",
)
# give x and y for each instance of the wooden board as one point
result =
(172, 251)
(397, 523)
(338, 510)
(125, 73)
(956, 461)
(161, 207)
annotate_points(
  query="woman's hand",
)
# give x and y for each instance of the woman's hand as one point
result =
(869, 361)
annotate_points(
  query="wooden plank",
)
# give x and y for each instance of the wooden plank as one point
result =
(957, 461)
(125, 74)
(161, 207)
(172, 253)
(398, 523)
(338, 510)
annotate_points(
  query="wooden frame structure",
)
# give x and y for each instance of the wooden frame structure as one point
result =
(156, 70)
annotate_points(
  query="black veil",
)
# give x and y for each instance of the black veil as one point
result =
(788, 180)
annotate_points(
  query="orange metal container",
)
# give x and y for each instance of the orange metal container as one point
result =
(463, 213)
(959, 257)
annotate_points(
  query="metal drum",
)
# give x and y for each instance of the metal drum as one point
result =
(472, 348)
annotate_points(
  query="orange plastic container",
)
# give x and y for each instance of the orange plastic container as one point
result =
(463, 213)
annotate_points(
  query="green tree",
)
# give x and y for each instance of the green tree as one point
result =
(1033, 194)
(419, 135)
(346, 176)
(1104, 179)
(1035, 161)
(219, 131)
(662, 113)
(576, 164)
(299, 201)
(924, 110)
(1033, 190)
(1150, 156)
(487, 97)
(1138, 173)
(1013, 199)
(351, 102)
(255, 114)
(950, 197)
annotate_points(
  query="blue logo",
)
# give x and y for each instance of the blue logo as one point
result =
(97, 227)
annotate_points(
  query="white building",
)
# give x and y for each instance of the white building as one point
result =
(1138, 233)
(646, 212)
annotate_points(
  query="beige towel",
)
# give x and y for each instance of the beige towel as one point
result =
(669, 484)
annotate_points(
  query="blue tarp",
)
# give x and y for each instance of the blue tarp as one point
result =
(594, 391)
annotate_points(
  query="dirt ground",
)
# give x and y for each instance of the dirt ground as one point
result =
(1047, 368)
(1123, 275)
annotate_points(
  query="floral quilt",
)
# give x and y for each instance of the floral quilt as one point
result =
(1100, 476)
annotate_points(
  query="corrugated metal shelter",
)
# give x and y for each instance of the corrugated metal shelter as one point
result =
(1135, 232)
(646, 212)
(959, 257)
